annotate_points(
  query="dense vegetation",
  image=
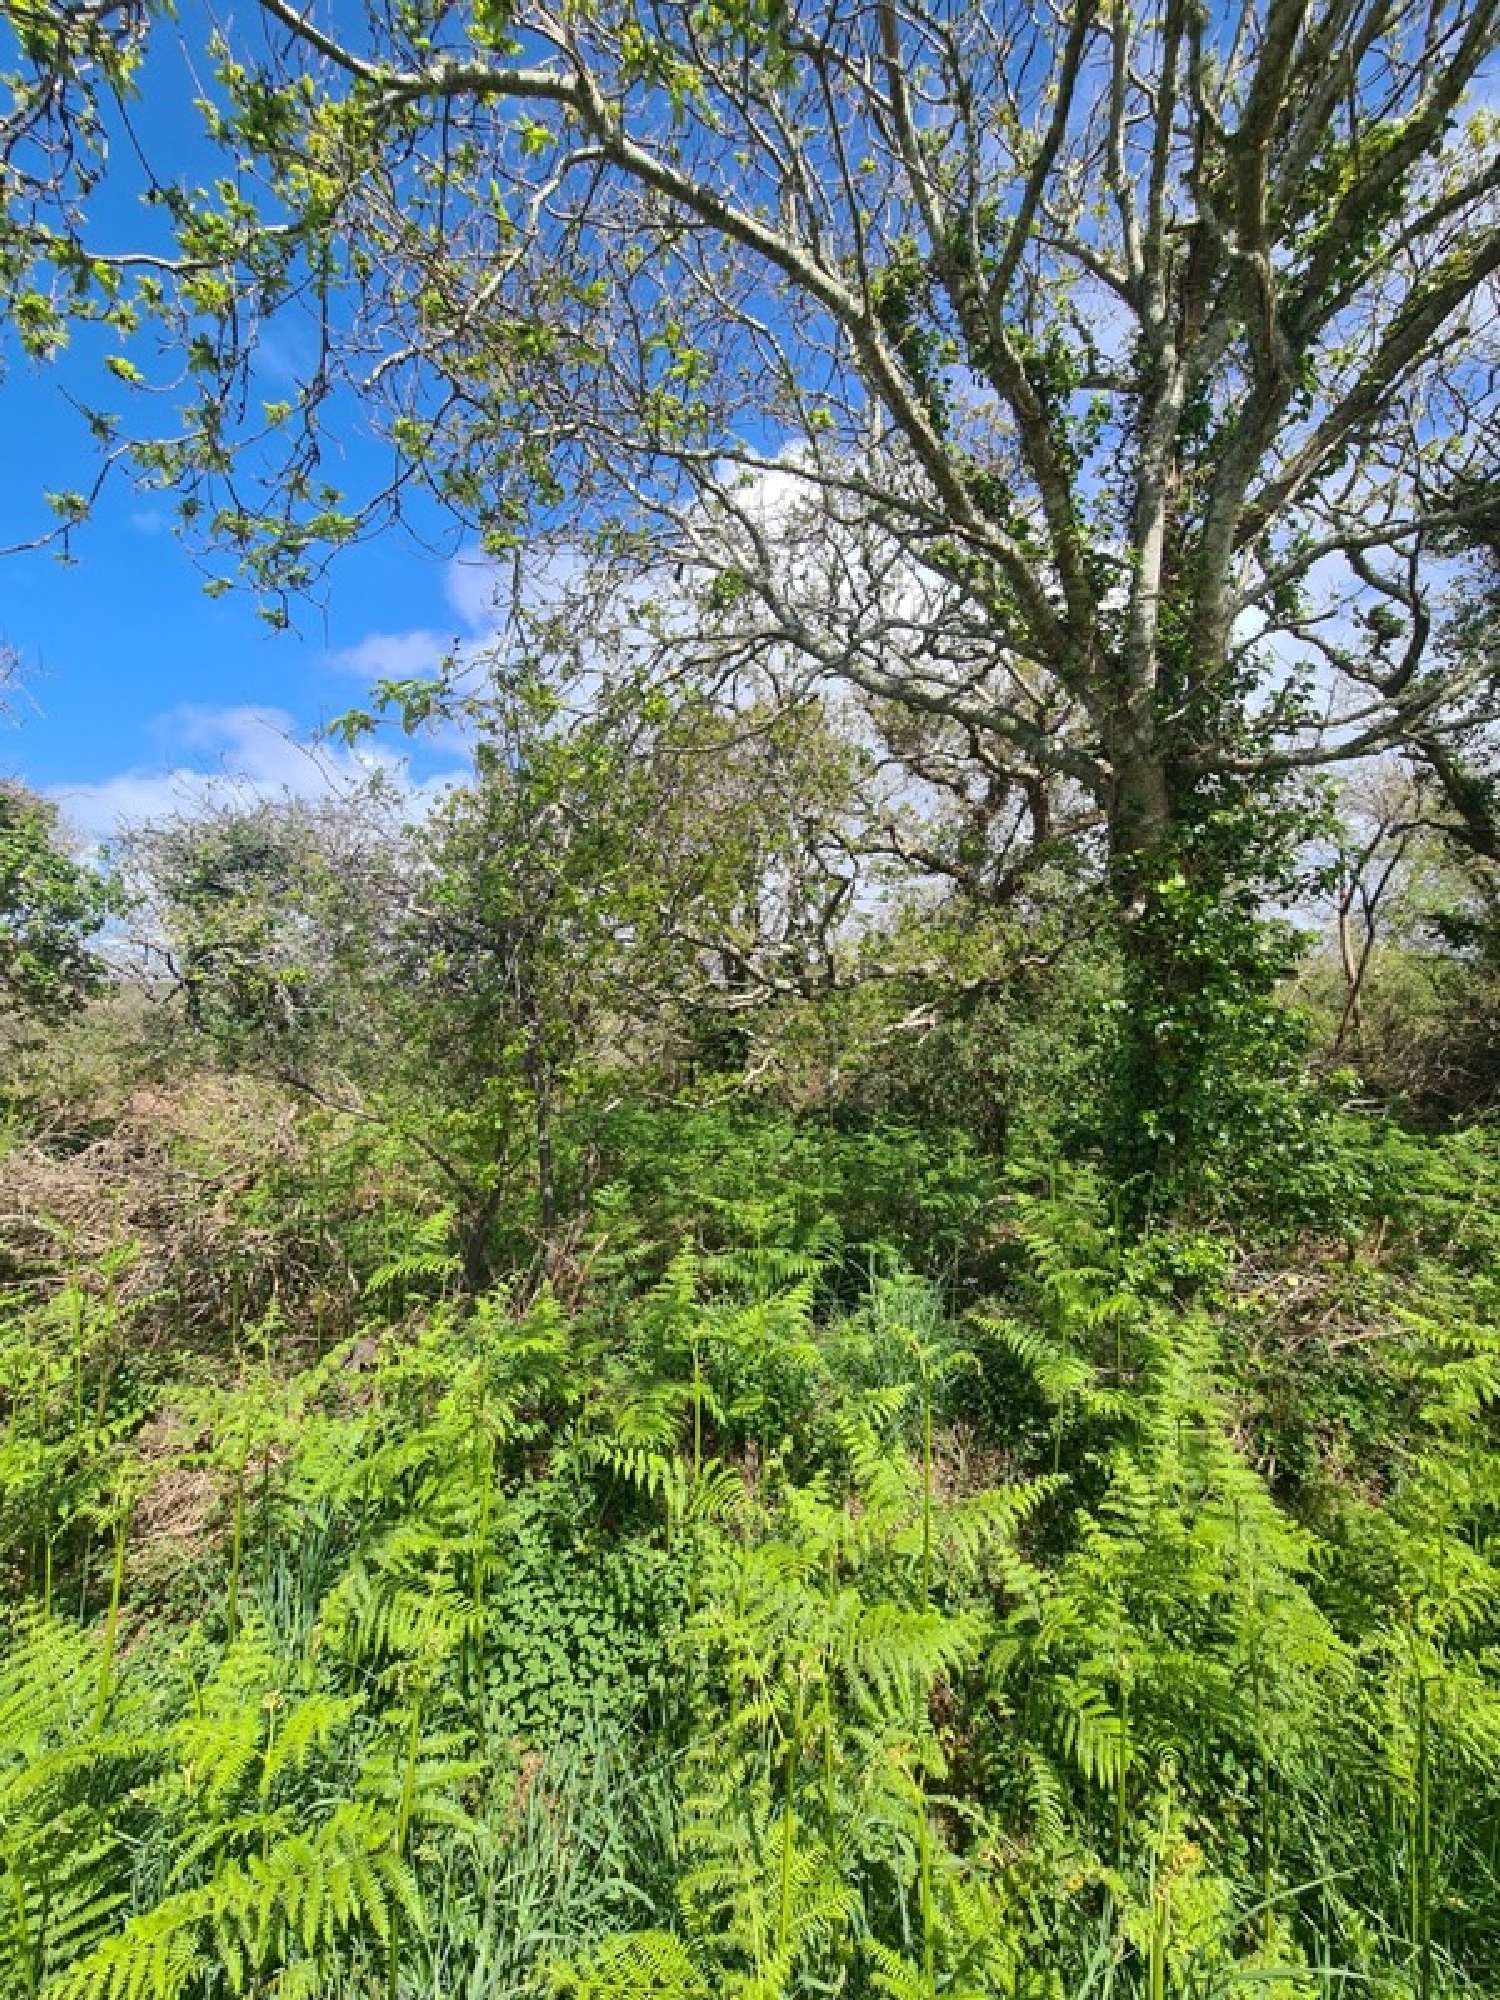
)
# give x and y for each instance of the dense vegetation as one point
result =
(834, 1328)
(532, 1465)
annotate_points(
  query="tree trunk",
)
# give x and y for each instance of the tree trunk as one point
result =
(477, 1251)
(1206, 1070)
(1143, 1117)
(539, 1080)
(1140, 815)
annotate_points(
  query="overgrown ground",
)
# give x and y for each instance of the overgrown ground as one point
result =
(853, 1568)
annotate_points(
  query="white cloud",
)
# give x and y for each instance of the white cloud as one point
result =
(481, 593)
(474, 586)
(484, 592)
(395, 655)
(772, 490)
(248, 752)
(242, 753)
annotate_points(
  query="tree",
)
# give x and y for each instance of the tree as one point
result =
(620, 890)
(51, 907)
(612, 894)
(264, 915)
(1098, 383)
(1464, 761)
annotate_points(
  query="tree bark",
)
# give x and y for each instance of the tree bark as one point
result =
(1140, 814)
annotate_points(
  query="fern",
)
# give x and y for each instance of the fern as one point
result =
(645, 1965)
(64, 1861)
(303, 1899)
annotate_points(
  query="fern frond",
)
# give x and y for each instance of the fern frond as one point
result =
(645, 1965)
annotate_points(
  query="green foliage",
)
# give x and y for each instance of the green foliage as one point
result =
(581, 1631)
(835, 1550)
(51, 906)
(754, 1626)
(753, 1356)
(1212, 1107)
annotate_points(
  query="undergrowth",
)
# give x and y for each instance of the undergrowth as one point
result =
(741, 1611)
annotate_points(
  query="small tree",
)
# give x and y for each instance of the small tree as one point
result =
(52, 907)
(264, 914)
(613, 889)
(604, 894)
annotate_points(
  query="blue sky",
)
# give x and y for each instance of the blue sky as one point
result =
(132, 676)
